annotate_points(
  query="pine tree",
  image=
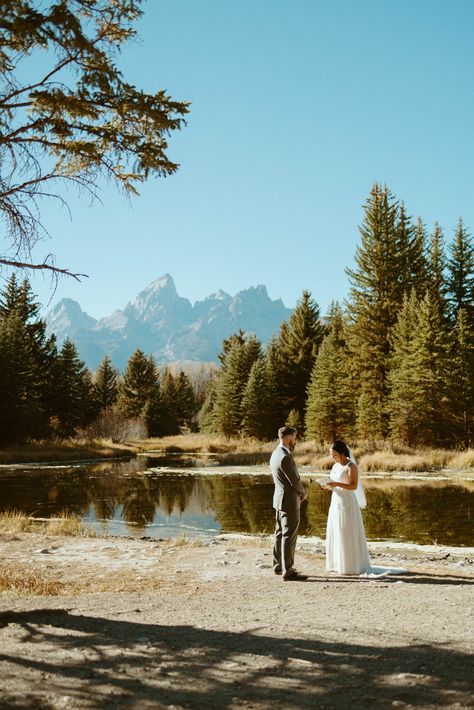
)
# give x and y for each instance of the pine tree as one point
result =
(169, 399)
(73, 405)
(461, 274)
(403, 400)
(376, 295)
(462, 379)
(105, 385)
(276, 372)
(26, 379)
(437, 265)
(207, 413)
(153, 412)
(298, 343)
(227, 344)
(419, 397)
(257, 403)
(139, 381)
(294, 420)
(330, 405)
(369, 414)
(236, 368)
(20, 411)
(185, 400)
(417, 262)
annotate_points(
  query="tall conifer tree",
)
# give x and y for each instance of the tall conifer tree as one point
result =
(375, 298)
(207, 413)
(185, 400)
(105, 384)
(73, 403)
(330, 405)
(236, 368)
(139, 381)
(26, 380)
(257, 403)
(461, 273)
(169, 399)
(462, 379)
(298, 343)
(437, 264)
(419, 376)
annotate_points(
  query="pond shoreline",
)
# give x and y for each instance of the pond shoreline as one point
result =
(376, 458)
(169, 497)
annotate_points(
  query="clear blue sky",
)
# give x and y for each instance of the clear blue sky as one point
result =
(297, 107)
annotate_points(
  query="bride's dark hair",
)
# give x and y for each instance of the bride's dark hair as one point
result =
(340, 447)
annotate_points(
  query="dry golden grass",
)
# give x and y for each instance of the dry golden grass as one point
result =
(202, 443)
(462, 459)
(181, 541)
(372, 455)
(15, 522)
(387, 462)
(27, 580)
(63, 450)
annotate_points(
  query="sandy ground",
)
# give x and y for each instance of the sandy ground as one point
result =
(148, 624)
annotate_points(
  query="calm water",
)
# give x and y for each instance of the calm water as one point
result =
(163, 497)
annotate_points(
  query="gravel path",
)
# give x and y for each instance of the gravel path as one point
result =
(143, 624)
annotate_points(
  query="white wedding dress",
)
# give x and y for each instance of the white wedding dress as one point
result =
(346, 544)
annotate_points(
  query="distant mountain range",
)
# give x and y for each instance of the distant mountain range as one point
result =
(166, 325)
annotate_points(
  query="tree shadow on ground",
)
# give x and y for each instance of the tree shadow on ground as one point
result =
(103, 663)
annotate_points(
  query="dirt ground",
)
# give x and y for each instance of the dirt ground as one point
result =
(149, 624)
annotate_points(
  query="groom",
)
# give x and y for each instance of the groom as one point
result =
(287, 498)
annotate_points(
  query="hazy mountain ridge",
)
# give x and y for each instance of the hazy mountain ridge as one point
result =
(163, 323)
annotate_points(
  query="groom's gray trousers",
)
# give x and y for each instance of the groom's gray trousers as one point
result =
(286, 501)
(286, 534)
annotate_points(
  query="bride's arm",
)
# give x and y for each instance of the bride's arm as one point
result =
(353, 474)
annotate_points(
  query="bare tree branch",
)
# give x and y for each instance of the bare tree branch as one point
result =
(43, 267)
(79, 127)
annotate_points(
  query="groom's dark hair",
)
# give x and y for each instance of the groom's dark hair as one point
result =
(286, 431)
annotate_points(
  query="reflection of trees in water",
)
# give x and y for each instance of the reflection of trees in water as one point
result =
(422, 513)
(243, 503)
(175, 493)
(138, 500)
(410, 510)
(314, 513)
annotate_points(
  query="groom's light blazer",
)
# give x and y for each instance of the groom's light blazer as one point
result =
(288, 486)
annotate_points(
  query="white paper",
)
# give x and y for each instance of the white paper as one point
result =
(324, 481)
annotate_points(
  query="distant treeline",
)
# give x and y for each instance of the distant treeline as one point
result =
(49, 393)
(395, 362)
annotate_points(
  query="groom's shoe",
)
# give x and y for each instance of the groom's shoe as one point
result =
(277, 570)
(294, 576)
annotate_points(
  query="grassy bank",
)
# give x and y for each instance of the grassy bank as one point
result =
(63, 450)
(30, 578)
(372, 456)
(12, 522)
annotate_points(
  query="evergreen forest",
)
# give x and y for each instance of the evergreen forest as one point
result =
(394, 362)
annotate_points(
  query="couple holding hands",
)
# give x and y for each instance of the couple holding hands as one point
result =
(346, 544)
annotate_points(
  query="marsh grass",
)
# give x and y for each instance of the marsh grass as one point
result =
(13, 521)
(382, 456)
(63, 450)
(28, 580)
(181, 541)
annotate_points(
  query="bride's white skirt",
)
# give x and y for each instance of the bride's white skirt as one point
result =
(346, 544)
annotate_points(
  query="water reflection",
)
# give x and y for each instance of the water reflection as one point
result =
(165, 497)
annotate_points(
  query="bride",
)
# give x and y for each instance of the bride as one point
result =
(346, 544)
